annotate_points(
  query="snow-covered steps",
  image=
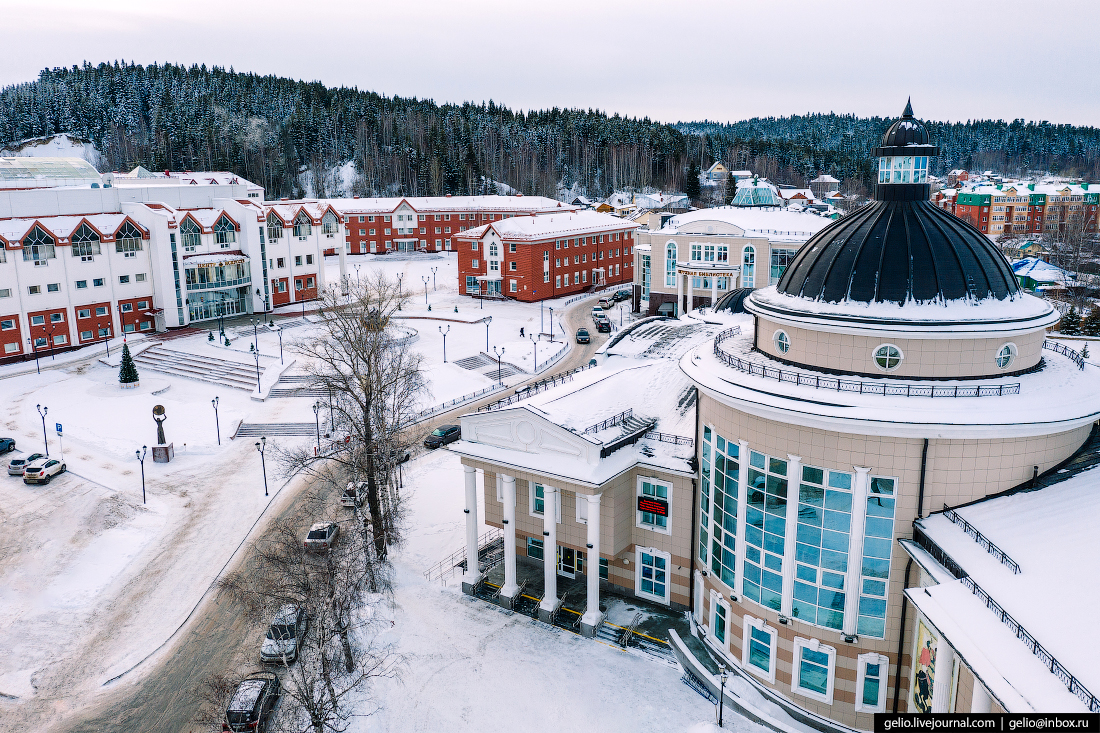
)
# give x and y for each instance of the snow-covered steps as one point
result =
(234, 374)
(475, 362)
(274, 429)
(297, 385)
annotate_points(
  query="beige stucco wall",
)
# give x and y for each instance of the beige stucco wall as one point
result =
(659, 242)
(923, 358)
(958, 471)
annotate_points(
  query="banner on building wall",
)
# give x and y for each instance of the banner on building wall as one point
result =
(925, 669)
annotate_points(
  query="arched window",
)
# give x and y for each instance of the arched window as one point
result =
(748, 268)
(128, 240)
(888, 357)
(274, 227)
(329, 223)
(85, 241)
(190, 235)
(224, 231)
(670, 265)
(303, 227)
(38, 246)
(782, 342)
(1006, 355)
(494, 251)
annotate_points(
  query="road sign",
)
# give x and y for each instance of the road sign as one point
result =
(59, 428)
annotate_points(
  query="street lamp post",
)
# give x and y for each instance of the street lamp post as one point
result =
(279, 329)
(551, 324)
(499, 354)
(42, 411)
(487, 320)
(535, 343)
(34, 347)
(217, 424)
(260, 447)
(357, 280)
(52, 355)
(141, 457)
(256, 353)
(425, 279)
(445, 341)
(722, 695)
(317, 418)
(434, 270)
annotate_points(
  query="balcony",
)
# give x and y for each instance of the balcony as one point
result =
(220, 284)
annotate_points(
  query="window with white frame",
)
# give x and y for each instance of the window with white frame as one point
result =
(874, 579)
(719, 619)
(718, 506)
(534, 548)
(758, 649)
(821, 552)
(748, 267)
(813, 675)
(128, 240)
(537, 497)
(191, 235)
(765, 529)
(38, 246)
(85, 242)
(871, 682)
(670, 265)
(652, 577)
(654, 504)
(225, 232)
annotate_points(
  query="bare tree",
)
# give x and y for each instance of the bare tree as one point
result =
(375, 381)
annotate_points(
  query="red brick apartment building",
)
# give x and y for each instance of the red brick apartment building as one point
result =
(1029, 209)
(428, 223)
(544, 256)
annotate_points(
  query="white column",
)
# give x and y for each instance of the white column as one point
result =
(742, 502)
(691, 294)
(697, 600)
(794, 475)
(343, 250)
(941, 685)
(679, 293)
(592, 615)
(980, 701)
(510, 587)
(473, 571)
(855, 550)
(550, 549)
(713, 291)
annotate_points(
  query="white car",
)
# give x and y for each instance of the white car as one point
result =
(43, 470)
(284, 637)
(354, 493)
(321, 536)
(16, 466)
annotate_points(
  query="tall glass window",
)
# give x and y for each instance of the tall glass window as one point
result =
(190, 235)
(878, 537)
(38, 246)
(765, 529)
(821, 552)
(225, 233)
(903, 169)
(748, 268)
(85, 242)
(718, 506)
(128, 239)
(670, 265)
(781, 258)
(647, 277)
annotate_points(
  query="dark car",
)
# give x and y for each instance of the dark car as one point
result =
(253, 703)
(7, 445)
(583, 337)
(442, 435)
(621, 295)
(603, 325)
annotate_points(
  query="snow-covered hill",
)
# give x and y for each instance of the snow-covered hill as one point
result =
(62, 145)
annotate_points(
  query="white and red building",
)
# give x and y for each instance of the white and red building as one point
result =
(544, 256)
(85, 257)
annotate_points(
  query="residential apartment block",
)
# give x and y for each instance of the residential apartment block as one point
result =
(1028, 208)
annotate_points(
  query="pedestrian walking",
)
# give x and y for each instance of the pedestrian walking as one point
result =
(521, 332)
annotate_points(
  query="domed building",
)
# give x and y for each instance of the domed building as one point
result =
(895, 369)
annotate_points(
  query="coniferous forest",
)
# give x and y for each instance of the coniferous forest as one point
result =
(272, 130)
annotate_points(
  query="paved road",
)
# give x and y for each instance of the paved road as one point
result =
(162, 699)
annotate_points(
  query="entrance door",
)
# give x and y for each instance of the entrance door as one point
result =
(567, 562)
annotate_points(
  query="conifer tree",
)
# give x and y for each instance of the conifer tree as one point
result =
(1091, 324)
(731, 189)
(691, 183)
(1070, 325)
(127, 373)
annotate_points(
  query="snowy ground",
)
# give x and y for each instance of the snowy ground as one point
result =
(470, 667)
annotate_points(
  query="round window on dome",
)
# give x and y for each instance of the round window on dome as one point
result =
(1006, 355)
(782, 342)
(888, 357)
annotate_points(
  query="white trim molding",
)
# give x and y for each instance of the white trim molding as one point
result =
(883, 663)
(813, 645)
(749, 623)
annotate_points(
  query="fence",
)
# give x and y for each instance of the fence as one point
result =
(889, 389)
(597, 291)
(425, 414)
(1064, 350)
(669, 438)
(534, 388)
(982, 540)
(609, 422)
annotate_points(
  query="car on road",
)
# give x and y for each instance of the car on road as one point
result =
(16, 465)
(321, 536)
(253, 704)
(583, 336)
(621, 295)
(284, 637)
(354, 493)
(603, 324)
(443, 435)
(43, 470)
(7, 445)
(597, 312)
(606, 303)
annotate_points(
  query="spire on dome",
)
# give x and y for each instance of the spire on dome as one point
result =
(908, 108)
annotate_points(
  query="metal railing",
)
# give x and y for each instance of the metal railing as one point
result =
(669, 438)
(889, 389)
(609, 422)
(937, 553)
(1064, 350)
(533, 389)
(443, 407)
(982, 540)
(218, 284)
(447, 567)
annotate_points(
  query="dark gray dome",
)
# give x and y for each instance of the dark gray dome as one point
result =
(905, 131)
(896, 251)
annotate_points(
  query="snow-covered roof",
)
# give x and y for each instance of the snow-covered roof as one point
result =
(1041, 271)
(1051, 534)
(777, 225)
(218, 258)
(550, 226)
(32, 171)
(62, 227)
(142, 177)
(386, 205)
(824, 178)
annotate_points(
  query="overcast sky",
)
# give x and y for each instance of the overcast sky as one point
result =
(669, 60)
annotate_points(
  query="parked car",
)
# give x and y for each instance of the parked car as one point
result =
(7, 445)
(597, 312)
(442, 435)
(321, 536)
(43, 470)
(253, 703)
(603, 326)
(606, 303)
(621, 295)
(354, 493)
(16, 466)
(284, 637)
(583, 337)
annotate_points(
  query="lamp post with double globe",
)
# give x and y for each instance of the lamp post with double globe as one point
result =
(499, 354)
(141, 458)
(260, 446)
(217, 423)
(42, 411)
(445, 341)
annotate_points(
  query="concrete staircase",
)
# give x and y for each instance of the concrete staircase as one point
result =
(237, 375)
(297, 385)
(272, 429)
